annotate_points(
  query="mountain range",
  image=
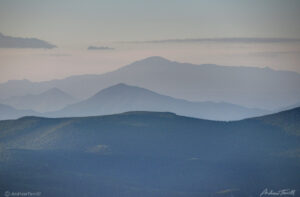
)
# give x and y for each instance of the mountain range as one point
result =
(252, 87)
(8, 112)
(150, 154)
(122, 98)
(50, 100)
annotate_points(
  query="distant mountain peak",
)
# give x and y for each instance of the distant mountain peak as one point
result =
(55, 91)
(155, 59)
(50, 100)
(152, 62)
(120, 87)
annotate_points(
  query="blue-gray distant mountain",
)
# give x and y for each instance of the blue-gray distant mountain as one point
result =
(122, 98)
(8, 112)
(50, 100)
(246, 86)
(150, 154)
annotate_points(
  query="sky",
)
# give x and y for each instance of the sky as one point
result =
(120, 32)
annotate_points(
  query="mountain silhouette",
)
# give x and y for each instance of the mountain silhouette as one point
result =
(263, 88)
(50, 100)
(122, 98)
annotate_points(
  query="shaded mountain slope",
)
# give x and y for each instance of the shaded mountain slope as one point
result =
(122, 98)
(149, 154)
(287, 120)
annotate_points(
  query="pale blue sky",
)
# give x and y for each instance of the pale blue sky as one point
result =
(74, 25)
(78, 23)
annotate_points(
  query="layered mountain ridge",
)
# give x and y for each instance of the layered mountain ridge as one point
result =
(122, 98)
(246, 86)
